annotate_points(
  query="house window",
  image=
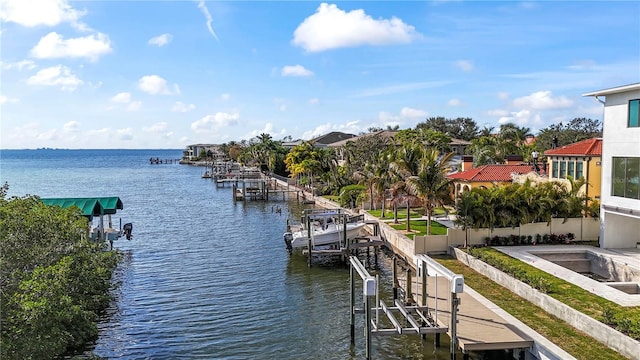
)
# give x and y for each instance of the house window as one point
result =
(625, 179)
(579, 165)
(570, 165)
(561, 169)
(634, 113)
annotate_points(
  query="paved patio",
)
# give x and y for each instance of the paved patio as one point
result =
(628, 257)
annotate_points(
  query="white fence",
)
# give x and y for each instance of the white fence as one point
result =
(583, 229)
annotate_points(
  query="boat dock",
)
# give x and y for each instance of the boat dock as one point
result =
(157, 161)
(443, 306)
(252, 186)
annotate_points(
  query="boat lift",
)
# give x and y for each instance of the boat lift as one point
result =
(420, 319)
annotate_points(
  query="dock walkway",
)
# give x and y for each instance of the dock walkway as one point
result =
(479, 328)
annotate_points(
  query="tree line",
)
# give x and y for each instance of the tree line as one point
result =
(54, 283)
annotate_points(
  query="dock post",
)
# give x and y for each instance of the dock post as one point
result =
(423, 301)
(394, 274)
(352, 299)
(310, 242)
(367, 319)
(454, 320)
(409, 295)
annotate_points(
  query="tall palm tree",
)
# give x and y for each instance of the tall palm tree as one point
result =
(406, 162)
(430, 184)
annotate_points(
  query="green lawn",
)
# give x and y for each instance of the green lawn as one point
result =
(419, 227)
(578, 344)
(402, 213)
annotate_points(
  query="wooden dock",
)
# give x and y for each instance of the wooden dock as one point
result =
(479, 328)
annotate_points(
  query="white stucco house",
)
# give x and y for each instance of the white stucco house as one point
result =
(620, 192)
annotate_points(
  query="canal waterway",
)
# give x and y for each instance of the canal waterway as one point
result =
(204, 277)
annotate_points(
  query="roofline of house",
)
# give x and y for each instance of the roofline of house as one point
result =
(615, 90)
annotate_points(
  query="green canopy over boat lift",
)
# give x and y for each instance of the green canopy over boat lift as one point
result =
(98, 207)
(90, 207)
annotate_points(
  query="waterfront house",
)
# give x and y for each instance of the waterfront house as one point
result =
(620, 186)
(213, 151)
(487, 176)
(582, 159)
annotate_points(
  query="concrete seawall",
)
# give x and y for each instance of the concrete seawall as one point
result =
(603, 333)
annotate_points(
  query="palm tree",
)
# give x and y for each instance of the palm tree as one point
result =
(469, 210)
(406, 162)
(430, 184)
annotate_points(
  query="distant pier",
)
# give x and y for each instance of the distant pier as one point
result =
(158, 161)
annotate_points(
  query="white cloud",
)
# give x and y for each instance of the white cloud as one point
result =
(156, 128)
(296, 70)
(332, 28)
(20, 65)
(498, 112)
(464, 65)
(7, 100)
(225, 97)
(122, 98)
(282, 107)
(71, 126)
(521, 118)
(351, 127)
(394, 89)
(134, 106)
(268, 129)
(154, 85)
(503, 95)
(212, 123)
(160, 40)
(124, 134)
(54, 76)
(542, 100)
(314, 101)
(32, 13)
(455, 102)
(53, 46)
(179, 106)
(207, 15)
(125, 98)
(407, 112)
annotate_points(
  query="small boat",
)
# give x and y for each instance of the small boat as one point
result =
(326, 230)
(206, 175)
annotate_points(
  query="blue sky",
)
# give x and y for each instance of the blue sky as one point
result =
(165, 74)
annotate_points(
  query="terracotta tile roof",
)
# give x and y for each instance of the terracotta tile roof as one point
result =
(590, 147)
(498, 172)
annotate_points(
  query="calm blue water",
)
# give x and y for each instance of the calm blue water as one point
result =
(204, 277)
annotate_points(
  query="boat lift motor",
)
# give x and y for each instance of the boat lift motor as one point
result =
(127, 229)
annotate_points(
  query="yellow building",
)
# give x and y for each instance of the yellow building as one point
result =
(578, 160)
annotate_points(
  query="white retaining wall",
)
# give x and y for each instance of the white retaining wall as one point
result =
(605, 334)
